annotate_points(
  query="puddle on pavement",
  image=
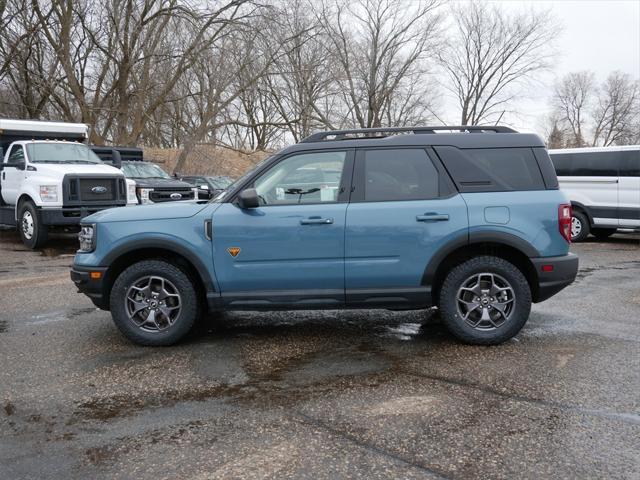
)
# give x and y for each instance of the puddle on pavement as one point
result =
(404, 331)
(59, 316)
(3, 326)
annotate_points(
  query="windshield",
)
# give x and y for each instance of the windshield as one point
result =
(220, 182)
(143, 170)
(61, 153)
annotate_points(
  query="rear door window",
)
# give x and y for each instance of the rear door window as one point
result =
(398, 174)
(492, 169)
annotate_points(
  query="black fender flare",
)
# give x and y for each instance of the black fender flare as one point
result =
(164, 244)
(503, 238)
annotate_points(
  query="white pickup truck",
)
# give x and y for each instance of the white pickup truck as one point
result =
(50, 178)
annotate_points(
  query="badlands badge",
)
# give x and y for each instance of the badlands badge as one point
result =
(233, 251)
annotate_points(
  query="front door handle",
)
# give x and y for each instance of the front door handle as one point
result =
(432, 217)
(316, 221)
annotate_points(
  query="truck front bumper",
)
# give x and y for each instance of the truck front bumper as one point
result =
(554, 274)
(90, 281)
(69, 215)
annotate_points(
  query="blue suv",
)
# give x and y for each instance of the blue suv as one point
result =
(469, 219)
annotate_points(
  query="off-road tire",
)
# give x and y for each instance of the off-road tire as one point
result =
(40, 233)
(454, 281)
(188, 298)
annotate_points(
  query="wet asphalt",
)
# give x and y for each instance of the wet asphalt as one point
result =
(337, 394)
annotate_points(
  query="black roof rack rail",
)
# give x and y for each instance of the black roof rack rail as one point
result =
(379, 132)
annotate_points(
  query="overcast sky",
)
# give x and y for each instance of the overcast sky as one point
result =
(598, 35)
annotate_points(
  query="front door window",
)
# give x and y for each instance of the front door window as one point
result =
(303, 179)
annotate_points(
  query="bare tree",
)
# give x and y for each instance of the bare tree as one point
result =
(572, 100)
(492, 54)
(380, 47)
(123, 58)
(617, 109)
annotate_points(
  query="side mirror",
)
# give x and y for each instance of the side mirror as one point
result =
(116, 158)
(248, 198)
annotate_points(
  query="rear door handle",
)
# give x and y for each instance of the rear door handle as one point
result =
(316, 221)
(432, 217)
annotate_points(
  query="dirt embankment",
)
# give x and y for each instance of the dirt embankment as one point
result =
(206, 160)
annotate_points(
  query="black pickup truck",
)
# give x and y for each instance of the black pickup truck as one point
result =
(153, 184)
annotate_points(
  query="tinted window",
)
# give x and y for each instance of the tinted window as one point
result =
(399, 174)
(492, 169)
(586, 164)
(629, 163)
(305, 178)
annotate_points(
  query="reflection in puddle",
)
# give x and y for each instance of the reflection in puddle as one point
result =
(404, 331)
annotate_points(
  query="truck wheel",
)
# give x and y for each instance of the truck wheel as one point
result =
(579, 226)
(153, 303)
(485, 301)
(602, 233)
(32, 232)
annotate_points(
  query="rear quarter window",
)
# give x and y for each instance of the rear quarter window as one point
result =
(492, 169)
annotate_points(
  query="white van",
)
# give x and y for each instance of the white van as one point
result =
(603, 184)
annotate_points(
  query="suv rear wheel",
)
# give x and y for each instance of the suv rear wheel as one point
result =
(153, 303)
(485, 300)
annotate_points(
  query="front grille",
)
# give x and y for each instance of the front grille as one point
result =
(164, 195)
(81, 190)
(92, 190)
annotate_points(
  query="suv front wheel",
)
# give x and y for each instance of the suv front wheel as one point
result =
(485, 300)
(153, 303)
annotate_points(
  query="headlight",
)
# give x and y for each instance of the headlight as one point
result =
(87, 238)
(131, 193)
(143, 194)
(49, 193)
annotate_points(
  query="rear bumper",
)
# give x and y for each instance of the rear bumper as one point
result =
(69, 215)
(554, 274)
(91, 287)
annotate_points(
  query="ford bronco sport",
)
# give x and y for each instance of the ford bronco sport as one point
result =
(469, 219)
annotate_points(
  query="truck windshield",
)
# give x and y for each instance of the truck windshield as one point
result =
(220, 182)
(143, 170)
(61, 153)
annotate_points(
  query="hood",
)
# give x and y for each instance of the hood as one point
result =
(55, 169)
(157, 211)
(160, 183)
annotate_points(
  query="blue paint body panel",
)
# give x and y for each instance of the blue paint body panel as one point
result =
(277, 252)
(387, 247)
(533, 217)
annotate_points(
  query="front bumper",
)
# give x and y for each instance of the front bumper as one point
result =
(91, 287)
(69, 215)
(554, 274)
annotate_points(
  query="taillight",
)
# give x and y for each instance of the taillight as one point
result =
(564, 221)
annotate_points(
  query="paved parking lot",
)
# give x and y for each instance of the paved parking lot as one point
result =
(365, 394)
